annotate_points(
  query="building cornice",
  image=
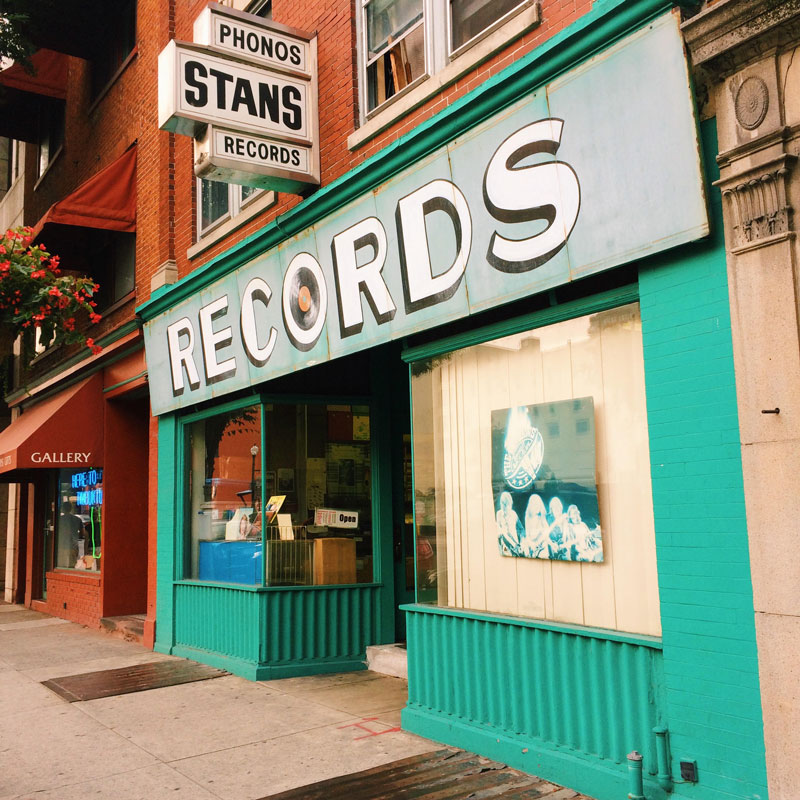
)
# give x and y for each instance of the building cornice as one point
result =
(732, 33)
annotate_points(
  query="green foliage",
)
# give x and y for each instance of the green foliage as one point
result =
(14, 41)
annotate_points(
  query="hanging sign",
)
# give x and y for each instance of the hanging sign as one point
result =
(255, 79)
(202, 87)
(265, 42)
(223, 154)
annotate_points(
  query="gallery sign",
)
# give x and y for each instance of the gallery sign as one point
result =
(255, 79)
(568, 182)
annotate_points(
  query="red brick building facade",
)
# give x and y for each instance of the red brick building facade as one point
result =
(101, 124)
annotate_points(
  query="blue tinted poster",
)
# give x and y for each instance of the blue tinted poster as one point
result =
(544, 483)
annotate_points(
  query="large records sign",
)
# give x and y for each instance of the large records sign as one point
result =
(556, 187)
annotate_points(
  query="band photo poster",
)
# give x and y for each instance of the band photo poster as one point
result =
(544, 483)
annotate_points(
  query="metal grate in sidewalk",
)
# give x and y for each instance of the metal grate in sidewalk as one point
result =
(112, 682)
(438, 775)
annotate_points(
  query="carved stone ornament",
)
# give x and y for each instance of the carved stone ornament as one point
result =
(751, 103)
(759, 207)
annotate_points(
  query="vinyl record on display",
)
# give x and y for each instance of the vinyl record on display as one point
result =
(304, 298)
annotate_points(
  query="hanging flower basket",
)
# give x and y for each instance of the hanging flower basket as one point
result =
(34, 293)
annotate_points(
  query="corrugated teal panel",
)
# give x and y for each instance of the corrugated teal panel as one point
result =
(326, 623)
(593, 696)
(217, 618)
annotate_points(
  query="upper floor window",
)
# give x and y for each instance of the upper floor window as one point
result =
(50, 135)
(219, 202)
(394, 35)
(406, 40)
(112, 261)
(116, 44)
(9, 163)
(470, 18)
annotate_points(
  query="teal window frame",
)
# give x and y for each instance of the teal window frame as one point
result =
(261, 399)
(594, 303)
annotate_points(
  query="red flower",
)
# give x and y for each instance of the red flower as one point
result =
(55, 292)
(38, 273)
(95, 317)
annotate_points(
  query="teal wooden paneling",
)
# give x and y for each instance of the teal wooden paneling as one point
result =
(325, 624)
(555, 700)
(713, 701)
(221, 619)
(275, 632)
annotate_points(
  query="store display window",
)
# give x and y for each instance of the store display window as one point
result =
(532, 475)
(78, 519)
(279, 494)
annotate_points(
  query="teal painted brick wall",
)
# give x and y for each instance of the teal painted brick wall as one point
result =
(167, 519)
(710, 660)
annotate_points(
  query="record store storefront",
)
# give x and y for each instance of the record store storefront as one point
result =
(549, 285)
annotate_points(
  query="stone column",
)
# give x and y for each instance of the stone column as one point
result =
(747, 69)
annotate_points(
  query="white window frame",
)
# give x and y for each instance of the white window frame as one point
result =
(443, 66)
(235, 207)
(498, 23)
(365, 62)
(227, 223)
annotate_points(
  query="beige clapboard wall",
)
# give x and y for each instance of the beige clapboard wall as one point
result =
(599, 356)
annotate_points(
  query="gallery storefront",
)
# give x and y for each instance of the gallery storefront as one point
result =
(79, 457)
(538, 264)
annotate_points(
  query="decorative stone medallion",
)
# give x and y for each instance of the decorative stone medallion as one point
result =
(751, 103)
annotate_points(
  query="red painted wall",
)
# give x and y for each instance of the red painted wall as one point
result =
(125, 486)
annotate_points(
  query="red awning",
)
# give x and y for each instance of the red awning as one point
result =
(49, 75)
(107, 200)
(64, 431)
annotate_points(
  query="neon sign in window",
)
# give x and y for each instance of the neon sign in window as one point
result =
(93, 497)
(87, 479)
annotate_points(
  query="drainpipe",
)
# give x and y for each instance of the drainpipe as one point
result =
(635, 783)
(664, 776)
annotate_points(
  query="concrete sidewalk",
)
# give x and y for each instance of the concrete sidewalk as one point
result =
(223, 738)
